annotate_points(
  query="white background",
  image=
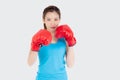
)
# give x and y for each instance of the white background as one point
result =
(96, 25)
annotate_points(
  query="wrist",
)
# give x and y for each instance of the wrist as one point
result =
(34, 47)
(71, 41)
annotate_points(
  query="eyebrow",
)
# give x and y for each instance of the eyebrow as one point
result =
(50, 18)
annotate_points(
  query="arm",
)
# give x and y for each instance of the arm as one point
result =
(66, 32)
(70, 57)
(41, 37)
(32, 57)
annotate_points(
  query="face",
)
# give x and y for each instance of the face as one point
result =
(51, 21)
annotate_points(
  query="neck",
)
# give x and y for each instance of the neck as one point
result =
(53, 36)
(52, 33)
(54, 39)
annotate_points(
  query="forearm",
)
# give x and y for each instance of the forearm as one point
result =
(70, 57)
(32, 57)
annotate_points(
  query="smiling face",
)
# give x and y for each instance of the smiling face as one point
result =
(51, 20)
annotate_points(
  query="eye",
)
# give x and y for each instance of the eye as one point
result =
(48, 19)
(56, 19)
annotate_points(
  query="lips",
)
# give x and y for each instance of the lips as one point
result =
(53, 27)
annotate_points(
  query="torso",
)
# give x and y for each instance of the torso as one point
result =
(51, 59)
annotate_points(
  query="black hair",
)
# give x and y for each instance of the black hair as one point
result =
(51, 8)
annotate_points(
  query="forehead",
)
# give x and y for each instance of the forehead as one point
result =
(52, 15)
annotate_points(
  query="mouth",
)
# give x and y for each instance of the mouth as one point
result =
(52, 27)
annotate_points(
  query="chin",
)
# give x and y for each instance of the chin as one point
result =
(52, 30)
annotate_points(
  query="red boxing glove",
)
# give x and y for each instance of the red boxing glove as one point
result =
(64, 31)
(42, 37)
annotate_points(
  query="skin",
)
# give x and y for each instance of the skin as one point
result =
(52, 20)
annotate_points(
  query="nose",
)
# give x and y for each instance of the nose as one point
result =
(52, 23)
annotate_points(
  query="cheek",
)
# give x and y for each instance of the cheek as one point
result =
(47, 22)
(57, 22)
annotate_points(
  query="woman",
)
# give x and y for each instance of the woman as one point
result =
(54, 47)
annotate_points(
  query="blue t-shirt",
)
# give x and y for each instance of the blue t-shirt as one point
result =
(51, 61)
